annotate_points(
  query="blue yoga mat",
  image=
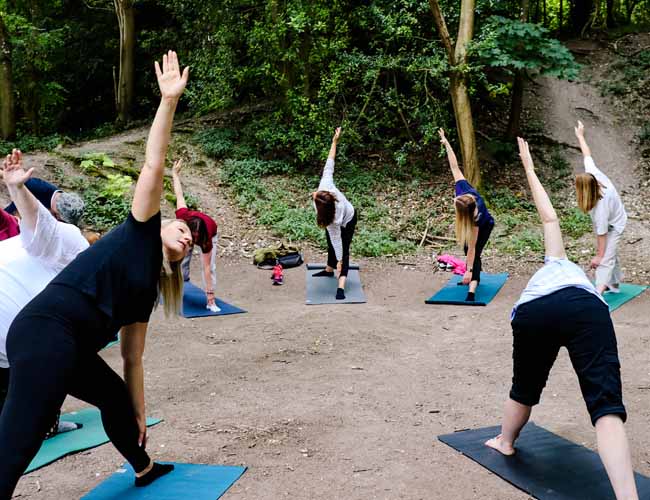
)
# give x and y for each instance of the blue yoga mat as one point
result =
(452, 293)
(628, 292)
(545, 465)
(89, 436)
(194, 303)
(186, 481)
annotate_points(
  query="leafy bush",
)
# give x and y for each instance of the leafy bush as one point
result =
(216, 142)
(28, 143)
(108, 202)
(575, 223)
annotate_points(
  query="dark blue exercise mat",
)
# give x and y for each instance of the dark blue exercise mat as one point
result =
(453, 293)
(186, 481)
(545, 465)
(322, 290)
(194, 303)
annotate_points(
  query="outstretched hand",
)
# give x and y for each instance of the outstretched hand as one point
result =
(524, 154)
(579, 130)
(13, 173)
(443, 138)
(170, 80)
(337, 134)
(178, 166)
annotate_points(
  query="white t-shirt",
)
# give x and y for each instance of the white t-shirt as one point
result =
(609, 212)
(344, 211)
(29, 261)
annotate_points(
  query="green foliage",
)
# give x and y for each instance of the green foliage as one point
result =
(524, 242)
(108, 202)
(516, 46)
(216, 143)
(29, 143)
(92, 161)
(575, 223)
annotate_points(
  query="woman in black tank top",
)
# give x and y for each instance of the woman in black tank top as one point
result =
(53, 342)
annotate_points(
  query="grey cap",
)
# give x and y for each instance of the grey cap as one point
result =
(70, 208)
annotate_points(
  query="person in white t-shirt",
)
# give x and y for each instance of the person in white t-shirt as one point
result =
(338, 217)
(560, 307)
(598, 197)
(29, 261)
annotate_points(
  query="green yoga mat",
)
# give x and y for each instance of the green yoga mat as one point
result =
(628, 292)
(453, 293)
(89, 436)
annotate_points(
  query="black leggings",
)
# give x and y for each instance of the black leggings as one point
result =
(483, 237)
(346, 238)
(49, 350)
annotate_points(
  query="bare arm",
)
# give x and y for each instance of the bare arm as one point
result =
(206, 260)
(335, 141)
(132, 340)
(15, 176)
(451, 157)
(553, 244)
(146, 200)
(178, 187)
(580, 134)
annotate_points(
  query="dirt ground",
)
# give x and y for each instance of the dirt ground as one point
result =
(346, 401)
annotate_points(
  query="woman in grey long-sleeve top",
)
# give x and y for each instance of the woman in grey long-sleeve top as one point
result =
(337, 215)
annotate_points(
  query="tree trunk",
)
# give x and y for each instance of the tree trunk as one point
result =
(611, 18)
(126, 79)
(7, 108)
(561, 18)
(518, 85)
(580, 14)
(457, 56)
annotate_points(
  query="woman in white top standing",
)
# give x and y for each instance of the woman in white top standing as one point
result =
(29, 261)
(561, 307)
(337, 215)
(598, 197)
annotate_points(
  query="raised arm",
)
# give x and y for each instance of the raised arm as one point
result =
(335, 141)
(451, 156)
(178, 187)
(146, 200)
(15, 176)
(553, 244)
(580, 134)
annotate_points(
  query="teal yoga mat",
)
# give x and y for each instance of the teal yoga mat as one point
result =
(455, 294)
(89, 436)
(186, 481)
(628, 292)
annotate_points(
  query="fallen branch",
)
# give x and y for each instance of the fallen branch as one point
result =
(443, 238)
(426, 231)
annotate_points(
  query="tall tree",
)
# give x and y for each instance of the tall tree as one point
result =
(517, 100)
(457, 57)
(125, 86)
(7, 108)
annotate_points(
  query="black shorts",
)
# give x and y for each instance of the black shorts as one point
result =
(579, 321)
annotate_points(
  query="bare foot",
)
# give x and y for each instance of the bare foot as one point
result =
(498, 444)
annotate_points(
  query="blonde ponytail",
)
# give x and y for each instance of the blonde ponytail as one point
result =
(170, 287)
(465, 206)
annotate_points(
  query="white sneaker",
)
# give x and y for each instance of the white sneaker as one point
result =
(214, 308)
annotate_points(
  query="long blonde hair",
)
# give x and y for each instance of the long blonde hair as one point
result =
(588, 191)
(170, 284)
(465, 205)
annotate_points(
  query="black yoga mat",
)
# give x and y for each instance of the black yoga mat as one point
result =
(545, 465)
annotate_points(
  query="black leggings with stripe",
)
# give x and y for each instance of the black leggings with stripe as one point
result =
(51, 354)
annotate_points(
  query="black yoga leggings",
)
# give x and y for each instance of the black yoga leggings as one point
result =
(50, 354)
(483, 237)
(347, 233)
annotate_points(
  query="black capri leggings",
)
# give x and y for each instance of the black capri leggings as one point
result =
(51, 355)
(578, 320)
(483, 237)
(347, 233)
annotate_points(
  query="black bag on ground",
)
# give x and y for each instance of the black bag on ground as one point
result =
(287, 255)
